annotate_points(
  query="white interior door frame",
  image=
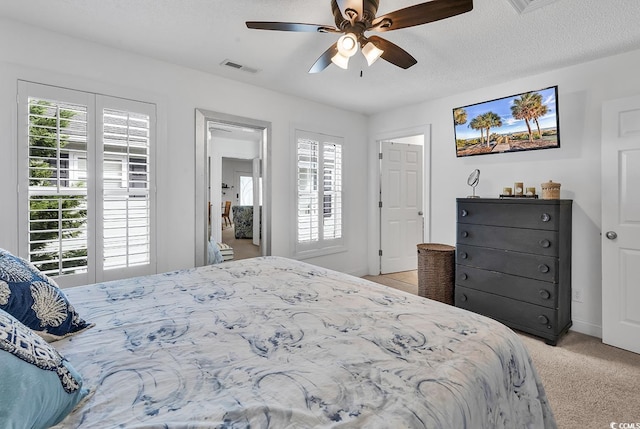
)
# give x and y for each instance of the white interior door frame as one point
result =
(374, 188)
(203, 180)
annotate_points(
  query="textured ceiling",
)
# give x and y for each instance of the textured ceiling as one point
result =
(493, 43)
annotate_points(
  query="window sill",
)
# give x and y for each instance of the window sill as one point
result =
(312, 253)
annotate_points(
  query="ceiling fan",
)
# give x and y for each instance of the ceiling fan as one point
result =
(355, 17)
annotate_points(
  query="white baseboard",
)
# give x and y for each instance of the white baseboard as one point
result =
(358, 272)
(587, 328)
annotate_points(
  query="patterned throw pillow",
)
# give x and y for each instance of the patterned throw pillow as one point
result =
(38, 386)
(35, 299)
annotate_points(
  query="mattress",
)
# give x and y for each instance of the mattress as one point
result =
(274, 343)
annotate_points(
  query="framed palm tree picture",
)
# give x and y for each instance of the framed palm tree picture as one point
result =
(526, 121)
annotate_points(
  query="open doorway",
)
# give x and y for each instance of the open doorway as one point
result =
(403, 195)
(241, 204)
(226, 137)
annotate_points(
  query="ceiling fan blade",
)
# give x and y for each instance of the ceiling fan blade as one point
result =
(291, 26)
(325, 59)
(355, 5)
(422, 13)
(393, 53)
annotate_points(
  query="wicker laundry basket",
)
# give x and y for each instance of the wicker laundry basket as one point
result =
(436, 271)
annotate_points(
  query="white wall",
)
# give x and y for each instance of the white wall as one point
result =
(576, 164)
(177, 91)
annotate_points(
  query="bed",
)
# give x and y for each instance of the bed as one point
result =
(274, 343)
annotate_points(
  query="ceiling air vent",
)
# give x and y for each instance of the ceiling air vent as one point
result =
(524, 6)
(237, 66)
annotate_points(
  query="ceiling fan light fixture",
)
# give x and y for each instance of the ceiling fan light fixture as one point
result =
(348, 45)
(371, 52)
(356, 17)
(340, 60)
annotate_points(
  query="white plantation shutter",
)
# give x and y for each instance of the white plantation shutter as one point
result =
(332, 191)
(57, 191)
(319, 193)
(126, 184)
(308, 193)
(86, 184)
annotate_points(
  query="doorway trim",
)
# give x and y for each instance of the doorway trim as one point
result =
(374, 187)
(202, 177)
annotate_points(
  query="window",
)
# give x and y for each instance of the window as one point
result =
(86, 206)
(319, 196)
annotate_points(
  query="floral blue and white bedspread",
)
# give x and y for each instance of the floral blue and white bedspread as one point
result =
(276, 343)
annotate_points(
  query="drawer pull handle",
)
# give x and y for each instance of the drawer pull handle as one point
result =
(463, 255)
(464, 213)
(543, 320)
(544, 294)
(545, 217)
(464, 276)
(465, 234)
(543, 268)
(544, 243)
(463, 297)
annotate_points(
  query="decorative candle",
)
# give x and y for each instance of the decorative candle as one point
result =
(506, 191)
(531, 192)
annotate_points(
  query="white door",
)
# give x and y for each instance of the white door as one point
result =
(257, 203)
(401, 217)
(621, 223)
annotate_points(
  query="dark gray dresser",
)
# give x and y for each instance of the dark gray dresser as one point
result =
(513, 262)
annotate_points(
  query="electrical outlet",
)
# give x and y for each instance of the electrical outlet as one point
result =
(577, 295)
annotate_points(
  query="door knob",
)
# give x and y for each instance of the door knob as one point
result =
(420, 213)
(611, 235)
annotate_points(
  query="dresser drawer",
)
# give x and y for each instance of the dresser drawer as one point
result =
(545, 216)
(538, 241)
(519, 288)
(505, 261)
(519, 315)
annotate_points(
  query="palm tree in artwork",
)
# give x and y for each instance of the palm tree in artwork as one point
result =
(477, 123)
(460, 116)
(490, 120)
(538, 109)
(522, 108)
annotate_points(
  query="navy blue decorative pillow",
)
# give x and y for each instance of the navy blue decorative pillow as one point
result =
(35, 299)
(38, 386)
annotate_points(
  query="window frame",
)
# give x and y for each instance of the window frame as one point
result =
(320, 246)
(95, 104)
